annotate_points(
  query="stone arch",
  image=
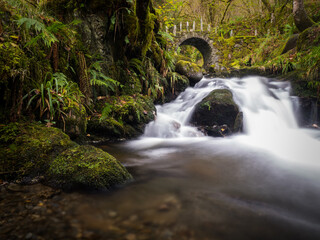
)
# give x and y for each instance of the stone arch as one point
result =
(204, 45)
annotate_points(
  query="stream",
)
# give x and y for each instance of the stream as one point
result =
(261, 184)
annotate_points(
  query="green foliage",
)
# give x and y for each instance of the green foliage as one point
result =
(98, 78)
(122, 110)
(149, 75)
(55, 95)
(166, 35)
(47, 33)
(170, 12)
(8, 133)
(13, 61)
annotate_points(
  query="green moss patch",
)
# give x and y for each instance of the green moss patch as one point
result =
(87, 166)
(26, 149)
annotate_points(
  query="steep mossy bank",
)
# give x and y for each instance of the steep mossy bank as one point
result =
(31, 150)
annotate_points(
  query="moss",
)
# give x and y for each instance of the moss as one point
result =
(29, 150)
(187, 68)
(12, 60)
(220, 96)
(26, 149)
(132, 85)
(121, 115)
(308, 38)
(87, 166)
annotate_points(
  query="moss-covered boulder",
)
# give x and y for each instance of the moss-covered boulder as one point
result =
(26, 149)
(87, 166)
(191, 70)
(122, 117)
(32, 150)
(218, 114)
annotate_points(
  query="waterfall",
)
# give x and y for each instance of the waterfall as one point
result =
(269, 117)
(266, 105)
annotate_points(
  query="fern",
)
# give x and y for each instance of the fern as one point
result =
(44, 33)
(29, 22)
(136, 65)
(106, 112)
(166, 35)
(99, 79)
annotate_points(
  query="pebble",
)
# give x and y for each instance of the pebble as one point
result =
(112, 214)
(167, 234)
(133, 218)
(163, 208)
(29, 235)
(131, 236)
(15, 188)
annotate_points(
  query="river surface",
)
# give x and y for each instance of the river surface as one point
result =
(261, 184)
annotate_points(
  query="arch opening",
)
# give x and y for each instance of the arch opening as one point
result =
(202, 45)
(192, 54)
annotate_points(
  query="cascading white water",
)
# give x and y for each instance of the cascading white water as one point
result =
(269, 120)
(245, 186)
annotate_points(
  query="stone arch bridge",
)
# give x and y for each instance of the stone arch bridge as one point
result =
(202, 42)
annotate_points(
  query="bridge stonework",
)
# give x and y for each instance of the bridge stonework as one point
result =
(203, 43)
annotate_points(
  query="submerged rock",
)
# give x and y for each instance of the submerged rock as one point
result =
(217, 114)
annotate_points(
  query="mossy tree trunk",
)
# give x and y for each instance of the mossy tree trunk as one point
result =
(301, 18)
(146, 24)
(84, 81)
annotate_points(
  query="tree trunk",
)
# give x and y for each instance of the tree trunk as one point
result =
(301, 19)
(267, 5)
(226, 10)
(146, 24)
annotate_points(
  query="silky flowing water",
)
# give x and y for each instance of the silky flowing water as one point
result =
(261, 184)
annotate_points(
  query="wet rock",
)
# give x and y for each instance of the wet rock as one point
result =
(87, 166)
(217, 114)
(167, 234)
(29, 236)
(191, 70)
(133, 218)
(130, 236)
(112, 214)
(163, 208)
(15, 188)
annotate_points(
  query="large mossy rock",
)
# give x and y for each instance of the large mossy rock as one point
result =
(191, 70)
(27, 149)
(87, 166)
(122, 117)
(218, 114)
(32, 150)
